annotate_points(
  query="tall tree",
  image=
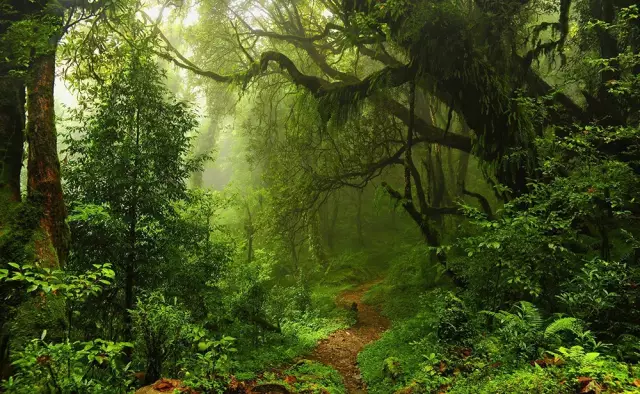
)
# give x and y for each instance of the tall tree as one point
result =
(29, 37)
(131, 156)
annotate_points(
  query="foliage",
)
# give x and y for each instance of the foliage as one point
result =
(76, 288)
(600, 294)
(491, 177)
(207, 368)
(308, 377)
(97, 366)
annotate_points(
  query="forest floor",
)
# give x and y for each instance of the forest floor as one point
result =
(340, 350)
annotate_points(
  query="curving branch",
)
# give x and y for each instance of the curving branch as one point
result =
(421, 219)
(484, 203)
(293, 38)
(321, 88)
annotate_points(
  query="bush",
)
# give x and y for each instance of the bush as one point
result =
(161, 331)
(207, 369)
(70, 367)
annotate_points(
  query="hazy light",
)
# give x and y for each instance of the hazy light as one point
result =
(190, 19)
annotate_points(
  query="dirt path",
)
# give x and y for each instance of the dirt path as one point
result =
(340, 350)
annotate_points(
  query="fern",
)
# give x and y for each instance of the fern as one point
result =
(570, 324)
(526, 316)
(530, 315)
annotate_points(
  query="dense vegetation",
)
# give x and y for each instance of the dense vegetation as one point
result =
(223, 172)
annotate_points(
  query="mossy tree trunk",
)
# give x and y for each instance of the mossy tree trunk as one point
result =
(12, 121)
(44, 188)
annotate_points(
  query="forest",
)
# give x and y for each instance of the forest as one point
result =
(319, 196)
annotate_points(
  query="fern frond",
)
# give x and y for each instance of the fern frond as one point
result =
(570, 324)
(530, 314)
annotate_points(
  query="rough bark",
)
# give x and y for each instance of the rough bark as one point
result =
(44, 187)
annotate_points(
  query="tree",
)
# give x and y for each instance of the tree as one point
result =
(486, 78)
(29, 38)
(129, 155)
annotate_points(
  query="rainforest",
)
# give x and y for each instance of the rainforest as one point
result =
(319, 196)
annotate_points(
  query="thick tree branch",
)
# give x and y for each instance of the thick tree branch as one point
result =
(381, 56)
(417, 216)
(422, 221)
(428, 132)
(320, 87)
(484, 203)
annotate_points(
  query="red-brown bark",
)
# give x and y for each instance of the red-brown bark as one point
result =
(44, 187)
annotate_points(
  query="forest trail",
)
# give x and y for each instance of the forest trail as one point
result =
(340, 350)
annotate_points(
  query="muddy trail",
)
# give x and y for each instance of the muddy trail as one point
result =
(340, 350)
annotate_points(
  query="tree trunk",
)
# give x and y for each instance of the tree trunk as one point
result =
(12, 138)
(359, 218)
(133, 240)
(331, 231)
(44, 188)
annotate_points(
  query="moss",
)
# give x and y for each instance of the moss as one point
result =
(20, 236)
(43, 312)
(19, 222)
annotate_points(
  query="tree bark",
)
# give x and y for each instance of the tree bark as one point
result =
(12, 137)
(44, 187)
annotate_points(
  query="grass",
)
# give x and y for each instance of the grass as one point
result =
(410, 338)
(405, 343)
(300, 335)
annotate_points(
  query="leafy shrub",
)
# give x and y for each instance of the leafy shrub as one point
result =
(454, 325)
(524, 381)
(207, 369)
(604, 293)
(406, 342)
(169, 343)
(70, 367)
(519, 331)
(162, 334)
